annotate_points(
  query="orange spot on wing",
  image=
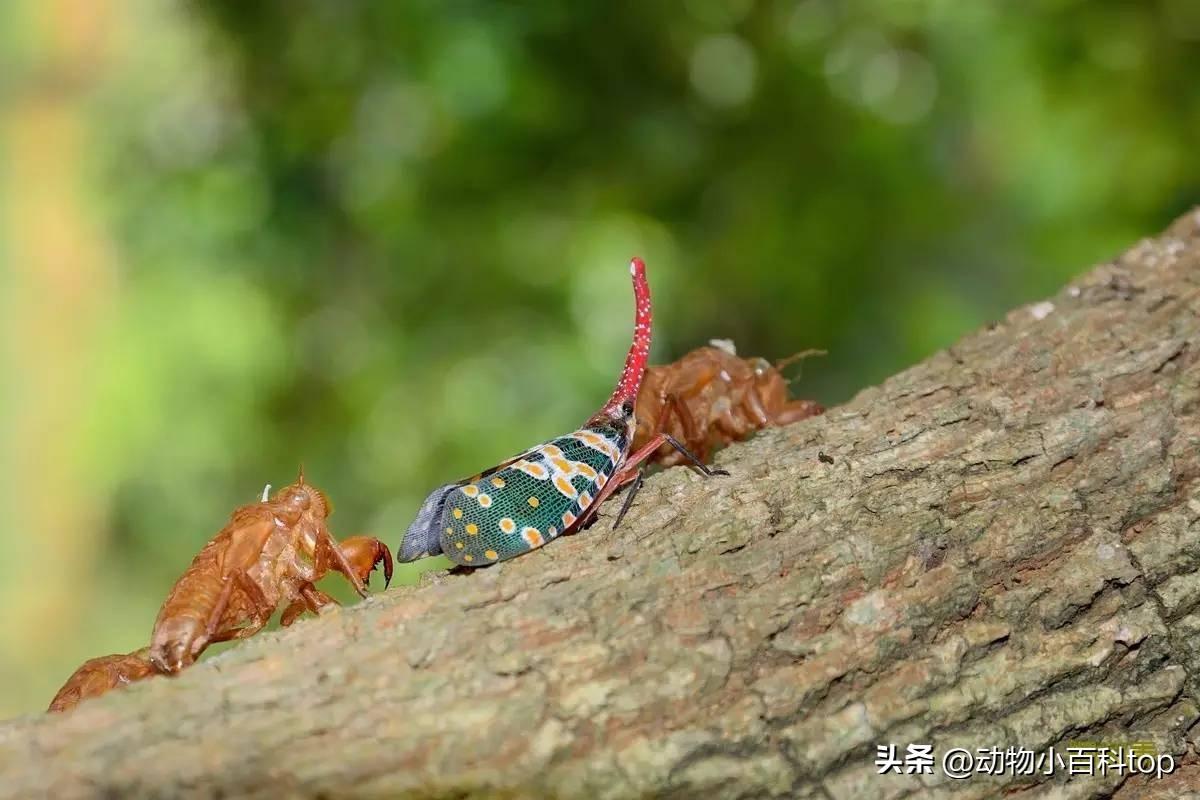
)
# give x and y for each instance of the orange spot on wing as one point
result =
(531, 469)
(597, 442)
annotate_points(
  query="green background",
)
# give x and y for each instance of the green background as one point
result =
(390, 240)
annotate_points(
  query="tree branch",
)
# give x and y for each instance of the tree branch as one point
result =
(1003, 552)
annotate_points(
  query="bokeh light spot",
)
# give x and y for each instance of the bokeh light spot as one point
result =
(723, 70)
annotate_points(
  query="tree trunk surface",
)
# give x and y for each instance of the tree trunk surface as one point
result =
(1004, 552)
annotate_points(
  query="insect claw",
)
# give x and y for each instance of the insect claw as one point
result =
(633, 490)
(266, 492)
(699, 465)
(386, 556)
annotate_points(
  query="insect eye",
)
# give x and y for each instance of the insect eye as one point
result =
(627, 408)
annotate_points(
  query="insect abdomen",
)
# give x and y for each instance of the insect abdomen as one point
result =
(529, 502)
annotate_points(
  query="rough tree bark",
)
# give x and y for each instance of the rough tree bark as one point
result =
(1003, 552)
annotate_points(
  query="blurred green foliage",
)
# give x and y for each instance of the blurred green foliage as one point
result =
(389, 240)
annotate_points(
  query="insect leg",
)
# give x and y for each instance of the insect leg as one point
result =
(753, 406)
(619, 479)
(320, 555)
(796, 410)
(312, 599)
(697, 463)
(691, 431)
(630, 470)
(633, 490)
(218, 610)
(260, 613)
(291, 612)
(341, 563)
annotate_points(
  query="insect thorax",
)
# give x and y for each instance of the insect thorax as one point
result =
(537, 497)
